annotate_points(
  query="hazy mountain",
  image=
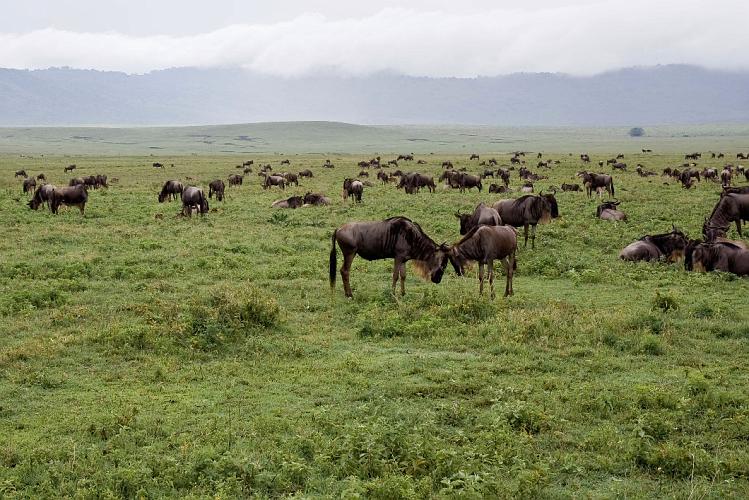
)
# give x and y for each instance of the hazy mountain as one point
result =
(636, 96)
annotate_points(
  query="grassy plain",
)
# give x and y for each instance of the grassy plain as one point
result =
(145, 356)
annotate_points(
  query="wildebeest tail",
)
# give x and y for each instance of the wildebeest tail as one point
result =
(333, 263)
(612, 188)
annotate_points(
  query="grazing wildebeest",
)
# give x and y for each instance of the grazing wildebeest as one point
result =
(70, 196)
(726, 177)
(721, 155)
(732, 207)
(248, 163)
(398, 238)
(653, 247)
(597, 182)
(292, 202)
(474, 156)
(609, 210)
(21, 173)
(235, 180)
(693, 156)
(363, 164)
(69, 168)
(90, 181)
(77, 181)
(710, 174)
(715, 234)
(481, 216)
(285, 162)
(352, 188)
(570, 187)
(364, 173)
(274, 180)
(316, 199)
(193, 198)
(447, 164)
(527, 187)
(724, 256)
(468, 181)
(42, 194)
(412, 182)
(644, 173)
(393, 163)
(487, 173)
(528, 210)
(247, 170)
(101, 181)
(484, 244)
(493, 161)
(647, 150)
(504, 174)
(170, 190)
(494, 188)
(216, 187)
(384, 177)
(29, 184)
(306, 173)
(158, 165)
(291, 178)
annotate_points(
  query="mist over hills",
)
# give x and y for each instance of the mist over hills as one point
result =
(672, 94)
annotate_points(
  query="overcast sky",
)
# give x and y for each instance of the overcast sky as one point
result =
(415, 37)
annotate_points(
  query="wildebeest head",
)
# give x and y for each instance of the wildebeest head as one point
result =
(553, 206)
(464, 221)
(671, 244)
(434, 267)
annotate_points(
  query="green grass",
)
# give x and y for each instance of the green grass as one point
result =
(147, 356)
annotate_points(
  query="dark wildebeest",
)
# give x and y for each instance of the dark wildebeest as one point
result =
(316, 199)
(528, 210)
(216, 187)
(29, 184)
(291, 178)
(654, 247)
(597, 182)
(570, 187)
(101, 181)
(42, 194)
(236, 180)
(41, 177)
(693, 156)
(742, 156)
(726, 257)
(481, 216)
(732, 207)
(447, 164)
(274, 180)
(77, 181)
(292, 202)
(620, 156)
(363, 164)
(393, 163)
(726, 177)
(384, 177)
(170, 190)
(619, 166)
(70, 196)
(412, 182)
(710, 174)
(90, 181)
(248, 163)
(193, 198)
(158, 165)
(364, 173)
(484, 244)
(285, 162)
(474, 157)
(352, 188)
(247, 170)
(468, 181)
(644, 173)
(451, 178)
(487, 173)
(504, 174)
(306, 173)
(494, 188)
(715, 234)
(527, 187)
(647, 150)
(398, 238)
(609, 210)
(69, 168)
(21, 173)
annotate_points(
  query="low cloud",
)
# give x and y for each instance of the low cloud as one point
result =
(576, 39)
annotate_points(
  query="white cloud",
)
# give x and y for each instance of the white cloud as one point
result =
(581, 38)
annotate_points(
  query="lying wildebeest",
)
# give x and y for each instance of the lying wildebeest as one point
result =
(481, 216)
(170, 190)
(619, 166)
(292, 202)
(726, 257)
(484, 244)
(76, 181)
(217, 187)
(274, 180)
(236, 180)
(742, 156)
(21, 173)
(732, 207)
(42, 194)
(644, 173)
(570, 187)
(158, 165)
(193, 198)
(285, 162)
(597, 182)
(528, 210)
(421, 162)
(609, 210)
(70, 196)
(398, 238)
(69, 168)
(352, 188)
(306, 173)
(654, 247)
(487, 173)
(494, 188)
(474, 156)
(647, 150)
(316, 199)
(735, 190)
(29, 184)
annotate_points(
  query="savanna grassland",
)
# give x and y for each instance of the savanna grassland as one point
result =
(146, 354)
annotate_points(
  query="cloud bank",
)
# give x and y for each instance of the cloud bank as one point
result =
(576, 39)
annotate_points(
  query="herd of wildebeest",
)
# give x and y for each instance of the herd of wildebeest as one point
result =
(488, 233)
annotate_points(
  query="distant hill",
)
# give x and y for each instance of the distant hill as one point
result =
(671, 94)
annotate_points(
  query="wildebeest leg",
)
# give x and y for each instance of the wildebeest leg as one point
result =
(738, 227)
(491, 277)
(396, 273)
(82, 206)
(346, 271)
(533, 236)
(481, 278)
(525, 230)
(509, 264)
(402, 268)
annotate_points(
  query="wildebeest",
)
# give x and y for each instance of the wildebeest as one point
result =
(742, 156)
(69, 168)
(647, 150)
(654, 247)
(193, 198)
(247, 170)
(495, 188)
(292, 202)
(364, 173)
(70, 196)
(609, 210)
(412, 182)
(619, 166)
(158, 165)
(644, 173)
(484, 244)
(291, 178)
(715, 234)
(504, 174)
(726, 177)
(585, 158)
(21, 173)
(76, 181)
(447, 164)
(352, 188)
(398, 238)
(274, 180)
(316, 199)
(248, 163)
(527, 187)
(170, 190)
(42, 194)
(570, 187)
(474, 156)
(732, 207)
(693, 156)
(235, 180)
(216, 187)
(528, 210)
(421, 162)
(468, 181)
(29, 184)
(481, 216)
(726, 257)
(597, 182)
(285, 162)
(306, 173)
(101, 181)
(487, 173)
(384, 177)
